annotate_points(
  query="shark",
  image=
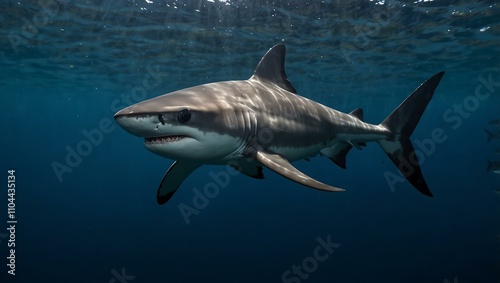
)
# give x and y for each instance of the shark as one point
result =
(263, 122)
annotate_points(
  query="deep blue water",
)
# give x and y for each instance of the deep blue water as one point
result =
(68, 66)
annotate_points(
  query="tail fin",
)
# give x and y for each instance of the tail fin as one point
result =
(401, 123)
(490, 135)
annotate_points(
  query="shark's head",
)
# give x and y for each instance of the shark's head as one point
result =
(210, 123)
(194, 123)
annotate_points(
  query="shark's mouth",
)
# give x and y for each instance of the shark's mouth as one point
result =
(165, 139)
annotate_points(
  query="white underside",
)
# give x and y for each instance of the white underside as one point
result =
(206, 147)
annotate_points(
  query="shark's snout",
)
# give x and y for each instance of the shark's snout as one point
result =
(137, 125)
(122, 121)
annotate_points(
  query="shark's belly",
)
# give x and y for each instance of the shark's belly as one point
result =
(297, 153)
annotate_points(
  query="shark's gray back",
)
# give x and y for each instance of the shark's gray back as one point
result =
(291, 119)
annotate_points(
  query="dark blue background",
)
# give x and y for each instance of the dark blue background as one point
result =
(103, 216)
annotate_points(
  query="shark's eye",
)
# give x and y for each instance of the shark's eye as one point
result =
(184, 115)
(160, 117)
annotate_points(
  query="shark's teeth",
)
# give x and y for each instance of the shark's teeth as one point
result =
(166, 139)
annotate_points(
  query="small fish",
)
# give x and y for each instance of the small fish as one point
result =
(492, 135)
(495, 122)
(494, 167)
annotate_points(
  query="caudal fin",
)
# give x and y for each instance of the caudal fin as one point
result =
(401, 123)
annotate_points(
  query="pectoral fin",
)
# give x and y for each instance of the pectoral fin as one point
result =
(280, 165)
(174, 177)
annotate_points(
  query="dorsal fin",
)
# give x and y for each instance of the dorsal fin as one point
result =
(358, 113)
(271, 68)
